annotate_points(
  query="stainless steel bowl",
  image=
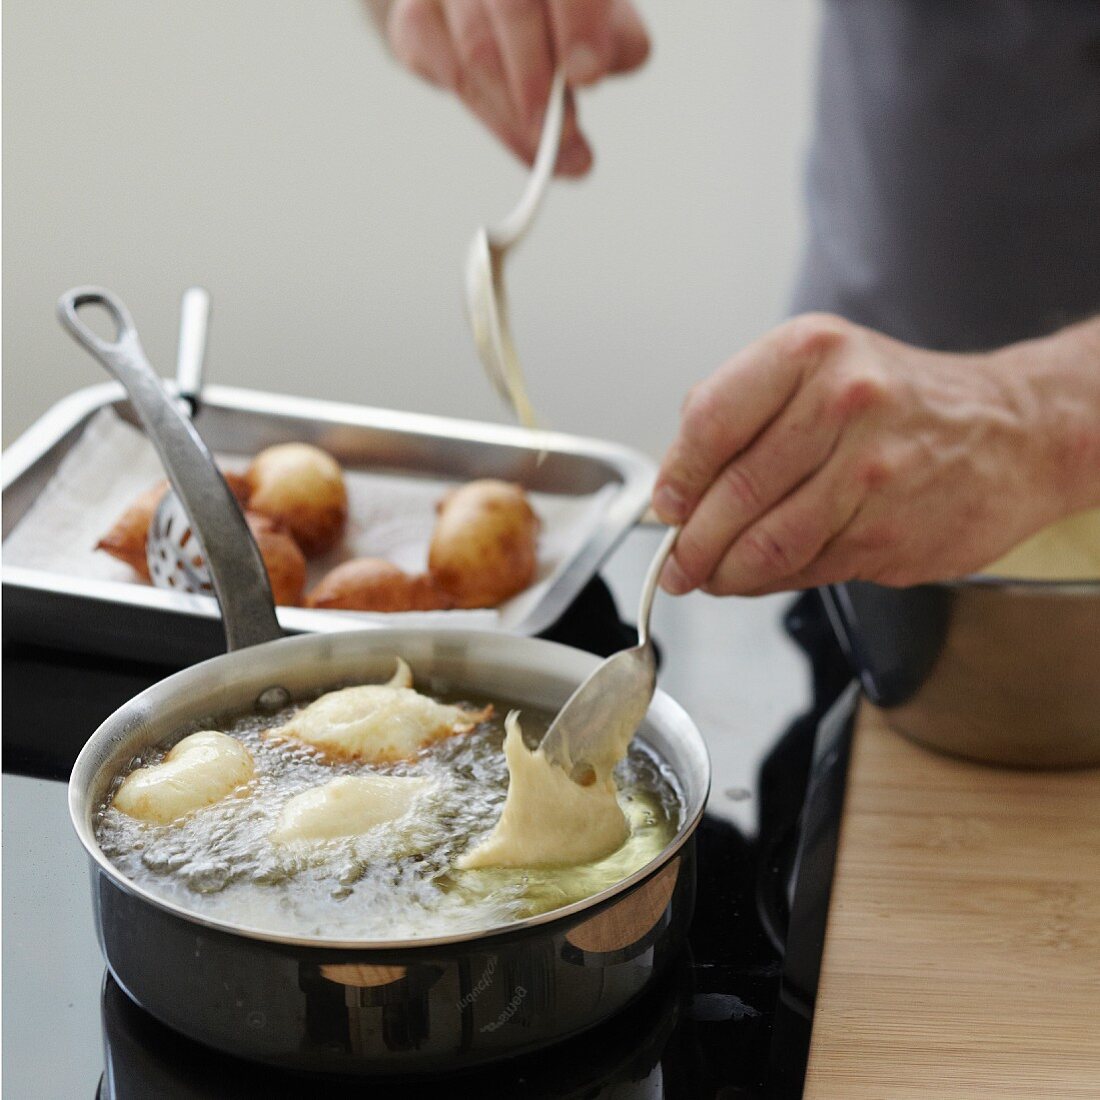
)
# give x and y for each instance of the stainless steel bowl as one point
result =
(998, 670)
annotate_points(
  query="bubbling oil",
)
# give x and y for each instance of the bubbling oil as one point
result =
(395, 881)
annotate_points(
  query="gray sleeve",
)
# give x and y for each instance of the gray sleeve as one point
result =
(953, 185)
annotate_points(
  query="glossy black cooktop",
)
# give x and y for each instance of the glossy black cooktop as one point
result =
(734, 1018)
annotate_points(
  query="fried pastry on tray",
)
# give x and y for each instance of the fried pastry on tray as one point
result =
(373, 584)
(283, 559)
(127, 537)
(303, 488)
(285, 563)
(484, 547)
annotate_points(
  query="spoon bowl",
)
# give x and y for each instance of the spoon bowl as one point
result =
(592, 731)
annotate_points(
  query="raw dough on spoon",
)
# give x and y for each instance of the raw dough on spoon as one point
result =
(347, 806)
(199, 771)
(548, 818)
(378, 723)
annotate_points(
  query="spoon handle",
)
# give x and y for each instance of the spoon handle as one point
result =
(194, 321)
(649, 588)
(519, 221)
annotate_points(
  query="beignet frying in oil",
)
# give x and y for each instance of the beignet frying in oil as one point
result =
(347, 806)
(378, 723)
(199, 771)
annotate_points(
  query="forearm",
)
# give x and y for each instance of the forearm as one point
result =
(1055, 381)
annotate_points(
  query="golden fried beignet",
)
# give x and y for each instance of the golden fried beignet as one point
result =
(373, 584)
(303, 488)
(199, 771)
(283, 559)
(238, 486)
(127, 538)
(483, 549)
(347, 806)
(379, 723)
(547, 818)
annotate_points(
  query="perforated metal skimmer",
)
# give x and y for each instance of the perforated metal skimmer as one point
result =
(174, 551)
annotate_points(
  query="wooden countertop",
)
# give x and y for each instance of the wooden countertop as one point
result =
(962, 956)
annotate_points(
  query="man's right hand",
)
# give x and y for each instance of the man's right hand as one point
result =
(498, 57)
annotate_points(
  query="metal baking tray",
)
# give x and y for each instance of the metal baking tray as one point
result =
(137, 621)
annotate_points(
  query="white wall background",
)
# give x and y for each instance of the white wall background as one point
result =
(268, 150)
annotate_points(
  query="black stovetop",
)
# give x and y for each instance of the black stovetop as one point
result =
(734, 1018)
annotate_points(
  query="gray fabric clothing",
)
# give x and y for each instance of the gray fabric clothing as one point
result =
(954, 180)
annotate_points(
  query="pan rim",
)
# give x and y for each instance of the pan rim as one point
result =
(85, 770)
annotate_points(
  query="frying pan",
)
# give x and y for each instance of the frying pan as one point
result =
(420, 1005)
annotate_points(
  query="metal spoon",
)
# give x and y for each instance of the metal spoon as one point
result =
(486, 302)
(592, 731)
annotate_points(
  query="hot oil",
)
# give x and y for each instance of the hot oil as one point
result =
(396, 881)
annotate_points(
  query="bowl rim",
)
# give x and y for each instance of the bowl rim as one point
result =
(1031, 584)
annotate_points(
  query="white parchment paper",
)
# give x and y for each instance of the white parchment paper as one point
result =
(390, 516)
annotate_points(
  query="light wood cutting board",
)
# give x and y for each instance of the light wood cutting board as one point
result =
(962, 956)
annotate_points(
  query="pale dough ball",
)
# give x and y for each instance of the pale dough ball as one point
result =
(347, 806)
(379, 723)
(199, 771)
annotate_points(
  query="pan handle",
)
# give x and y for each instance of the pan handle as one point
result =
(236, 568)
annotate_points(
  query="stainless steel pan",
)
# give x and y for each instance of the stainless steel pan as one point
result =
(385, 1006)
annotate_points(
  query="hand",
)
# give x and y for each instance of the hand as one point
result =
(498, 57)
(827, 452)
